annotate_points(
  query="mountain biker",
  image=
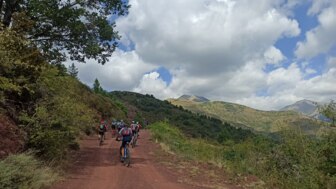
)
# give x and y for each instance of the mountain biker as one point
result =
(113, 127)
(138, 126)
(126, 134)
(134, 127)
(120, 125)
(102, 129)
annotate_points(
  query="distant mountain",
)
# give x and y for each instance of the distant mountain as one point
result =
(193, 98)
(246, 117)
(306, 107)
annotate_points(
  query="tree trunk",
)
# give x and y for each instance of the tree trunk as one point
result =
(10, 7)
(1, 3)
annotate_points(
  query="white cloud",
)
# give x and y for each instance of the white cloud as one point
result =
(331, 62)
(282, 79)
(219, 49)
(273, 55)
(284, 91)
(309, 71)
(204, 37)
(151, 83)
(322, 38)
(320, 88)
(269, 102)
(122, 72)
(318, 5)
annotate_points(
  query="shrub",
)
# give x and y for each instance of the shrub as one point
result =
(296, 161)
(24, 171)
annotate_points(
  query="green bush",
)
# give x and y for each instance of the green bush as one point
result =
(25, 172)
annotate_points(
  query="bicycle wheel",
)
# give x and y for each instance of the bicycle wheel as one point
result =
(136, 139)
(100, 141)
(127, 160)
(133, 144)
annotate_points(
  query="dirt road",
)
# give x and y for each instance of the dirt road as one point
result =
(98, 167)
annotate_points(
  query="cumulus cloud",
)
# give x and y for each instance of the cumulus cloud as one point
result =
(331, 62)
(204, 37)
(122, 72)
(151, 83)
(220, 49)
(286, 86)
(320, 39)
(318, 5)
(273, 55)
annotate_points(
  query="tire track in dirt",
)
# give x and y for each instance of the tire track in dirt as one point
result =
(99, 167)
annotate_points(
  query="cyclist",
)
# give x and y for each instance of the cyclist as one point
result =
(102, 129)
(126, 134)
(121, 124)
(138, 126)
(113, 127)
(134, 127)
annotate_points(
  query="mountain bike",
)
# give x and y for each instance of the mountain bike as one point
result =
(101, 139)
(135, 139)
(125, 154)
(113, 132)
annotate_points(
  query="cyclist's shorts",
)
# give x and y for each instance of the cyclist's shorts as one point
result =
(101, 132)
(127, 138)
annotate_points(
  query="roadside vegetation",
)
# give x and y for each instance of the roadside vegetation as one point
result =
(296, 161)
(25, 171)
(47, 108)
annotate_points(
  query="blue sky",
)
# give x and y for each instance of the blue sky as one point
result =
(265, 55)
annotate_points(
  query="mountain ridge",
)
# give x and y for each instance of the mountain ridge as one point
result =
(247, 117)
(306, 107)
(193, 98)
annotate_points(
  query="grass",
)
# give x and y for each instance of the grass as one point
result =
(296, 161)
(173, 141)
(23, 171)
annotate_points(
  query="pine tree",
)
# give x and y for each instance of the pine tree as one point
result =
(329, 110)
(73, 70)
(96, 86)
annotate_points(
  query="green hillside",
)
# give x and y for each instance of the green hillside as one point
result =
(48, 107)
(147, 108)
(243, 116)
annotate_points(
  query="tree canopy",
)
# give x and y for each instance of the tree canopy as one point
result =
(80, 29)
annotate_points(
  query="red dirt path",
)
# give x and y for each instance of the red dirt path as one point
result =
(98, 167)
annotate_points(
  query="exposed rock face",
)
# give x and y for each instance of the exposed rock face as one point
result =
(11, 137)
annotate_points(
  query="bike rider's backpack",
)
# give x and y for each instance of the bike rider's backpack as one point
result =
(101, 128)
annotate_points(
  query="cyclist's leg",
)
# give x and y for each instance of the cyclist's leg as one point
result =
(99, 135)
(121, 147)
